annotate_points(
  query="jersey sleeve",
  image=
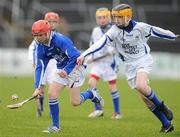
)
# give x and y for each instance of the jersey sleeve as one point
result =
(41, 63)
(106, 40)
(67, 46)
(158, 32)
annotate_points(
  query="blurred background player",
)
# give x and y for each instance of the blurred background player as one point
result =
(104, 68)
(131, 42)
(54, 21)
(55, 45)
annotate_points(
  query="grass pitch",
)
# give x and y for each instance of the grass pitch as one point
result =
(137, 121)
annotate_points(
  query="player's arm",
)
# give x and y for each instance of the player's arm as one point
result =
(97, 46)
(40, 63)
(71, 51)
(159, 32)
(106, 40)
(108, 52)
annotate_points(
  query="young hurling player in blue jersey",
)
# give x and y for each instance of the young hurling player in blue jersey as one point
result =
(57, 46)
(54, 21)
(130, 38)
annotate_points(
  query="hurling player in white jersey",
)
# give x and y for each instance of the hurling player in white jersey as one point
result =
(108, 63)
(54, 20)
(131, 39)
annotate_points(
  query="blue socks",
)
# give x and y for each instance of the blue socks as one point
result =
(156, 109)
(154, 99)
(115, 98)
(160, 116)
(97, 106)
(54, 110)
(86, 95)
(54, 107)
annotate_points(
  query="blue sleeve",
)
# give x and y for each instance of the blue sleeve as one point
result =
(41, 64)
(67, 46)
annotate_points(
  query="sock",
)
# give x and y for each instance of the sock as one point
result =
(54, 110)
(86, 95)
(41, 101)
(115, 99)
(97, 106)
(154, 99)
(160, 116)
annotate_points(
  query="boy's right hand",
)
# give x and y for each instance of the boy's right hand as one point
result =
(80, 60)
(37, 93)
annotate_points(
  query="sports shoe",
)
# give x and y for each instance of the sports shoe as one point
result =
(96, 97)
(116, 116)
(166, 129)
(166, 111)
(51, 129)
(96, 113)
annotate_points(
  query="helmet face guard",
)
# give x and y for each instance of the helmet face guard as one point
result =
(122, 14)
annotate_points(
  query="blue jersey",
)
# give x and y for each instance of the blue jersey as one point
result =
(60, 48)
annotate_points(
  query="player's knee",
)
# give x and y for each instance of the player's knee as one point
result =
(140, 87)
(75, 102)
(52, 94)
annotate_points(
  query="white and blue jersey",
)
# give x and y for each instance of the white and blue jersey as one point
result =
(60, 48)
(131, 43)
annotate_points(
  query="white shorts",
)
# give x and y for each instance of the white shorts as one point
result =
(76, 75)
(104, 71)
(143, 64)
(49, 72)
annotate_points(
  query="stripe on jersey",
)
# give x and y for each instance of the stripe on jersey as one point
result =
(42, 73)
(97, 48)
(162, 35)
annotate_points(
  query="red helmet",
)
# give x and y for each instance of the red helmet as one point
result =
(40, 26)
(52, 16)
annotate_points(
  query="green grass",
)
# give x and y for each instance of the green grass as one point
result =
(137, 120)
